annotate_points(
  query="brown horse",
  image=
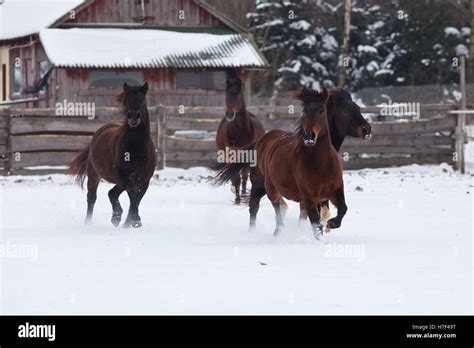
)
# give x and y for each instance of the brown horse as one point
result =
(302, 166)
(239, 128)
(122, 154)
(344, 119)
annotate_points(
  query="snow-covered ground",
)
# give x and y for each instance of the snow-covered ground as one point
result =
(405, 246)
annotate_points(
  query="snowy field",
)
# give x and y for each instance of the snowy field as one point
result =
(405, 247)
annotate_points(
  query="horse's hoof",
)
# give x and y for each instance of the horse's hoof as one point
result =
(333, 223)
(115, 220)
(136, 224)
(237, 201)
(277, 231)
(318, 231)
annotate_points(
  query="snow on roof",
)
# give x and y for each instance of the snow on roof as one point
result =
(20, 18)
(148, 48)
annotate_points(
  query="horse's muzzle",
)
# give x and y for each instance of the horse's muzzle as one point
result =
(133, 122)
(230, 116)
(309, 138)
(367, 133)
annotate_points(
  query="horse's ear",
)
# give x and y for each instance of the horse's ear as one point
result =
(299, 94)
(125, 87)
(325, 95)
(304, 92)
(144, 88)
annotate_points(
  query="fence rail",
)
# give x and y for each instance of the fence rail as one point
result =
(33, 140)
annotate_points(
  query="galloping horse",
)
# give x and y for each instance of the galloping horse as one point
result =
(344, 118)
(239, 128)
(302, 166)
(122, 154)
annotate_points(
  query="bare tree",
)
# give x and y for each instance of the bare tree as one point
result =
(345, 47)
(470, 64)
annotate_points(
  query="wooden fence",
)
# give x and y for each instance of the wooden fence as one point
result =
(34, 140)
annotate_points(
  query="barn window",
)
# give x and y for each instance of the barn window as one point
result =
(141, 11)
(43, 68)
(115, 79)
(16, 85)
(213, 80)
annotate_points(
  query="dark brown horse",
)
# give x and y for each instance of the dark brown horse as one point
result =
(122, 154)
(344, 119)
(239, 128)
(302, 166)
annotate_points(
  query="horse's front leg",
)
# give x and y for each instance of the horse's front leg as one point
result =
(135, 193)
(339, 201)
(314, 218)
(117, 210)
(303, 214)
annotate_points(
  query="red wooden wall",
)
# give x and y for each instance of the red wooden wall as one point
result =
(162, 12)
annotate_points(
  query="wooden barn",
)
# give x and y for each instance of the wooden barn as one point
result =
(83, 51)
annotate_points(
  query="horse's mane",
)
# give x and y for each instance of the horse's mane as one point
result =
(339, 94)
(307, 96)
(234, 74)
(120, 98)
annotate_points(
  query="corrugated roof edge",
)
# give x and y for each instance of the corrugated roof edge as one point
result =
(237, 27)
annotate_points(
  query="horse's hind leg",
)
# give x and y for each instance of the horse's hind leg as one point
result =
(339, 201)
(278, 217)
(245, 176)
(236, 187)
(256, 194)
(324, 211)
(117, 210)
(92, 183)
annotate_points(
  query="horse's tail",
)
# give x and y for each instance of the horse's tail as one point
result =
(225, 171)
(78, 166)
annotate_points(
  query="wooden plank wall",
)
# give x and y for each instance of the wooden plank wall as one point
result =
(163, 12)
(393, 143)
(38, 138)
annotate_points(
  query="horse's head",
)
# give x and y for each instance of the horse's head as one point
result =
(313, 123)
(234, 97)
(346, 115)
(134, 103)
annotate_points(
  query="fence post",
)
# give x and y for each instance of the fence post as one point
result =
(461, 119)
(7, 164)
(160, 135)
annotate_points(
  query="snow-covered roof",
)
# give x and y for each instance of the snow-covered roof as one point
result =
(20, 18)
(149, 48)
